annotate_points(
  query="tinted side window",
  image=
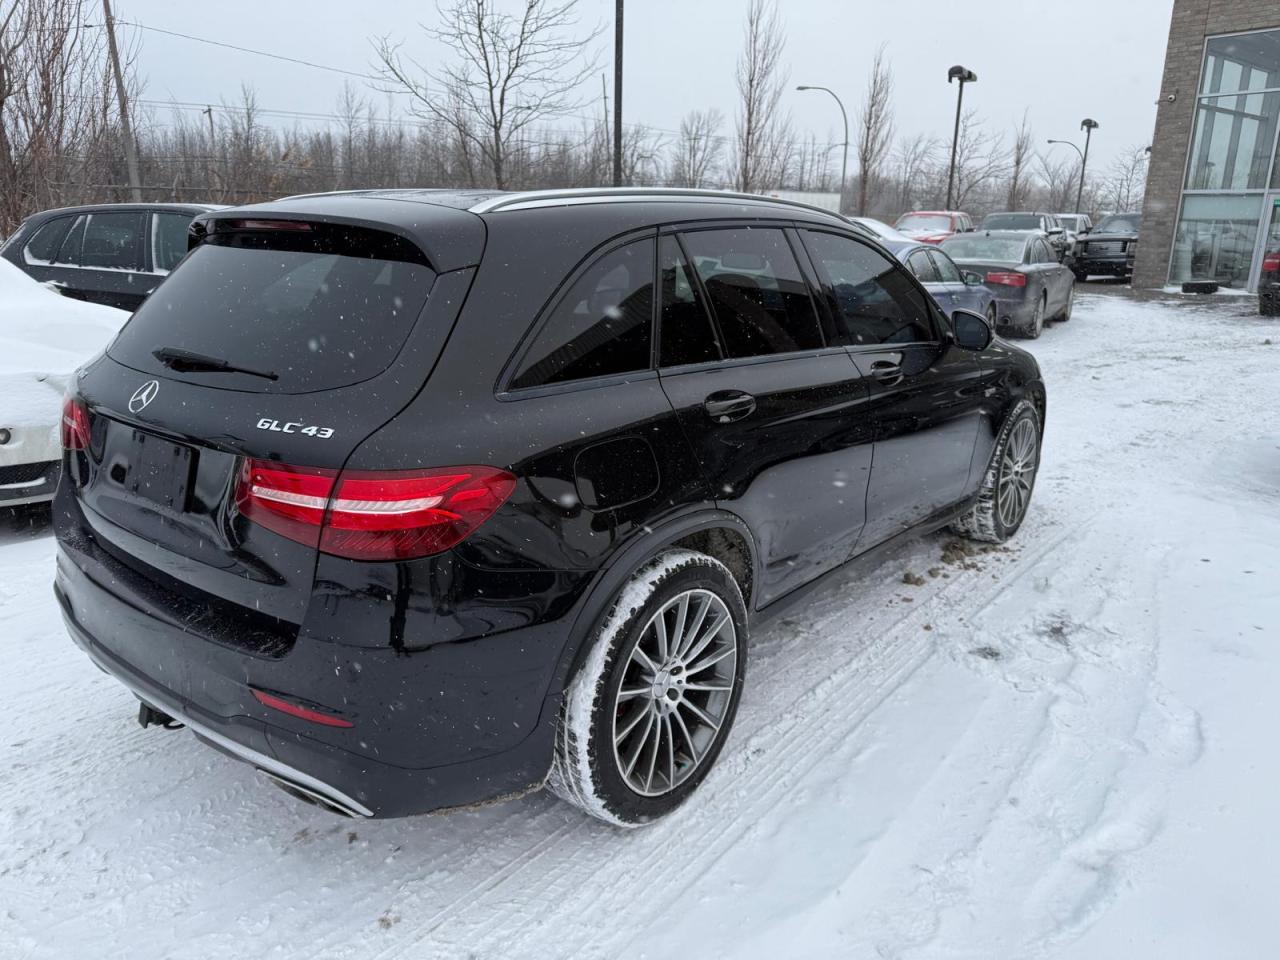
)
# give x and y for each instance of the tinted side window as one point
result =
(873, 299)
(43, 245)
(602, 326)
(113, 240)
(69, 249)
(920, 264)
(168, 239)
(758, 295)
(947, 270)
(1043, 253)
(685, 333)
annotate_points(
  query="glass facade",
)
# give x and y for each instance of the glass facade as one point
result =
(1232, 161)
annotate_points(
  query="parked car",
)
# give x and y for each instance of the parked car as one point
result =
(43, 338)
(1023, 272)
(410, 509)
(112, 253)
(952, 288)
(933, 226)
(1269, 281)
(879, 230)
(1110, 248)
(1045, 223)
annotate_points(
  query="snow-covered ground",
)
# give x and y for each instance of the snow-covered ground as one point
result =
(1062, 748)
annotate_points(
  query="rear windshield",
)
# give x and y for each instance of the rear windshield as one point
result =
(969, 247)
(924, 221)
(320, 307)
(1011, 221)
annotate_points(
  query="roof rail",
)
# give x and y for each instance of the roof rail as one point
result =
(530, 199)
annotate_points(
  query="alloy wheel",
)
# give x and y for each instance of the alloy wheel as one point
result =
(674, 693)
(1017, 473)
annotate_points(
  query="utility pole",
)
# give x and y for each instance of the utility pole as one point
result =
(213, 140)
(617, 95)
(130, 147)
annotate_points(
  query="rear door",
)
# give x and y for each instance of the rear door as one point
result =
(112, 262)
(776, 415)
(925, 391)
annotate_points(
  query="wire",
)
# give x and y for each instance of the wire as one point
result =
(260, 53)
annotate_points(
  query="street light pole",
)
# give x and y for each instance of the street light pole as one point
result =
(964, 75)
(844, 163)
(617, 95)
(1088, 126)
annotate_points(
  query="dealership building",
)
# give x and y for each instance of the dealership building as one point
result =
(1212, 207)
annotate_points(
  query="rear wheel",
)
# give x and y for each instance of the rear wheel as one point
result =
(1033, 329)
(647, 716)
(1009, 481)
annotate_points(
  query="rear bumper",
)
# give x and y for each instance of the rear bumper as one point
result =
(400, 703)
(29, 483)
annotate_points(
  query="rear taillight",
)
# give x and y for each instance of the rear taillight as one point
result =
(1271, 263)
(1007, 278)
(372, 515)
(75, 424)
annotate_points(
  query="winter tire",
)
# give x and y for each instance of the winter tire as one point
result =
(993, 316)
(1010, 479)
(1033, 329)
(1065, 315)
(648, 713)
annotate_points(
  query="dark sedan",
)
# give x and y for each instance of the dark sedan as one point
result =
(1023, 272)
(1109, 248)
(110, 253)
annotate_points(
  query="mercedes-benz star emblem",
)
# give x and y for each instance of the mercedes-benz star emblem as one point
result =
(143, 395)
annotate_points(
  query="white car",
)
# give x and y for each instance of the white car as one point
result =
(881, 229)
(43, 338)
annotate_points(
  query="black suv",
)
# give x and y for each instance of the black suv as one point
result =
(112, 253)
(416, 499)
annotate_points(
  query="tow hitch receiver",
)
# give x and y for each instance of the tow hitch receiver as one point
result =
(148, 715)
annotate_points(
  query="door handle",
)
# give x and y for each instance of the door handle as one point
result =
(886, 371)
(725, 406)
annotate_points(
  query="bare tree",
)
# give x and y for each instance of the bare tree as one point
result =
(913, 159)
(1126, 181)
(979, 159)
(875, 126)
(1059, 183)
(764, 144)
(1019, 165)
(696, 154)
(55, 106)
(512, 73)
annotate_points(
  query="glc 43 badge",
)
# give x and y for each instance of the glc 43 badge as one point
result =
(292, 426)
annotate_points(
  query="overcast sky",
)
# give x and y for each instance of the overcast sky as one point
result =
(1060, 61)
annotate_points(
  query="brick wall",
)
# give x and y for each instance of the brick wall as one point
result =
(1192, 21)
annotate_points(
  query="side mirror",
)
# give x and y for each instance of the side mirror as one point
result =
(971, 329)
(972, 279)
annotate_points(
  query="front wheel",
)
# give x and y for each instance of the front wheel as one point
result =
(1011, 477)
(647, 715)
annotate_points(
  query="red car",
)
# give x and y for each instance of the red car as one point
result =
(933, 226)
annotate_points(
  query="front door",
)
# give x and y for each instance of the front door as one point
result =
(777, 418)
(926, 394)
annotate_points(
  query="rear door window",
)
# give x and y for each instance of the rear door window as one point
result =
(322, 307)
(69, 250)
(685, 332)
(757, 294)
(43, 245)
(168, 240)
(113, 241)
(601, 327)
(872, 297)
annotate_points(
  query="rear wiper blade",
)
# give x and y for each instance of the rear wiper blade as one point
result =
(187, 361)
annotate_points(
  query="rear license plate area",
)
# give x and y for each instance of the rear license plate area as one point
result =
(157, 470)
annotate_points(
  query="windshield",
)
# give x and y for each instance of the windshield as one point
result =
(924, 221)
(1119, 224)
(971, 247)
(323, 308)
(1068, 221)
(1011, 221)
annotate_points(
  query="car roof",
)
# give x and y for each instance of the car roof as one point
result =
(449, 225)
(192, 208)
(935, 213)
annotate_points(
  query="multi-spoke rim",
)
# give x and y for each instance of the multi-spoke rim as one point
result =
(1017, 473)
(674, 692)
